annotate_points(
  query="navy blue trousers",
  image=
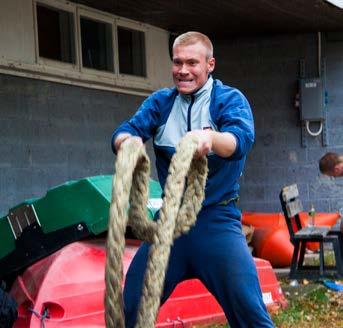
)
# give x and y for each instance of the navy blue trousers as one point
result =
(214, 251)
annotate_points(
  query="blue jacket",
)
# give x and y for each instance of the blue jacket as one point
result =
(167, 115)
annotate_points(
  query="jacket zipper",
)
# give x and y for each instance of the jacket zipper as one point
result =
(189, 127)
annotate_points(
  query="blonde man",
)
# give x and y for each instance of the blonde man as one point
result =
(215, 250)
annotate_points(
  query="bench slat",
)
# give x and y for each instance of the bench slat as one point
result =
(313, 232)
(294, 207)
(290, 192)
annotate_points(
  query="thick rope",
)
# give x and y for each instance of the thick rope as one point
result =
(177, 215)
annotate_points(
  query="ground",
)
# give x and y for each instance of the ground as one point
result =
(311, 305)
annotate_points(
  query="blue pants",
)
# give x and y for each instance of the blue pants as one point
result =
(214, 251)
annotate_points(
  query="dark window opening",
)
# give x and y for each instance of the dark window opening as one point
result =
(131, 46)
(56, 34)
(96, 40)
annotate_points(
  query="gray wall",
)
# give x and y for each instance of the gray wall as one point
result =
(51, 133)
(266, 69)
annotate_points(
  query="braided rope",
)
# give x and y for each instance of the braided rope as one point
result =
(177, 215)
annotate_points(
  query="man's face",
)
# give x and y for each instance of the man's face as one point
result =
(191, 67)
(338, 170)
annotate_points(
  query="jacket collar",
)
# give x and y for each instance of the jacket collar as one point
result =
(206, 88)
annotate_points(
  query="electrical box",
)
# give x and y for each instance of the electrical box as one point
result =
(311, 100)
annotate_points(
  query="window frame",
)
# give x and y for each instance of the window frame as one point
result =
(102, 18)
(76, 73)
(129, 24)
(42, 61)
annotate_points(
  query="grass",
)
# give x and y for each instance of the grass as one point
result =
(329, 259)
(310, 305)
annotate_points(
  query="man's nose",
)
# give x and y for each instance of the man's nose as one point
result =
(183, 69)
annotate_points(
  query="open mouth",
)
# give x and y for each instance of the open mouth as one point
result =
(185, 81)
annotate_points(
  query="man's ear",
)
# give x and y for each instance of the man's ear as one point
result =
(211, 64)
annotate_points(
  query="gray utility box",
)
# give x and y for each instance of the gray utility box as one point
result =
(311, 100)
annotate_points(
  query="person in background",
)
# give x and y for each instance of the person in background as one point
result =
(331, 164)
(215, 250)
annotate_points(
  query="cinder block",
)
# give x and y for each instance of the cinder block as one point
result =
(328, 190)
(49, 155)
(252, 192)
(15, 156)
(322, 204)
(336, 205)
(258, 206)
(15, 180)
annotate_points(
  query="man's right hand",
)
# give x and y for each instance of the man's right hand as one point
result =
(122, 137)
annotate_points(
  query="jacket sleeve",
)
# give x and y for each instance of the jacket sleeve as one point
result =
(235, 116)
(143, 123)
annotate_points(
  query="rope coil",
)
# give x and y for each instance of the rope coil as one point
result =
(177, 215)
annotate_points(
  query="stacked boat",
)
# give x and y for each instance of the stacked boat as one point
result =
(53, 256)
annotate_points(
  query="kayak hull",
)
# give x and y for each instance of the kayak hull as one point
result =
(69, 286)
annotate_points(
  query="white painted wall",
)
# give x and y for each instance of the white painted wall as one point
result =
(17, 31)
(159, 59)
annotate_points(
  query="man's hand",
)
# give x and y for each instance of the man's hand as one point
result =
(122, 137)
(204, 141)
(221, 143)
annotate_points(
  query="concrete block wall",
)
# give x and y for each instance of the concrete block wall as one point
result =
(266, 69)
(51, 133)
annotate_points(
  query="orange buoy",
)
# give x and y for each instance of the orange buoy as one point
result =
(273, 244)
(271, 240)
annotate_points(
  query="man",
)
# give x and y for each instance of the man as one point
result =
(215, 250)
(331, 164)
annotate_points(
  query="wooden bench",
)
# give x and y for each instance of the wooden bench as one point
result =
(300, 236)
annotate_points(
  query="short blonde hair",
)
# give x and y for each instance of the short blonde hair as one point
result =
(192, 37)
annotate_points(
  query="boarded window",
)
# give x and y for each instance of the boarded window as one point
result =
(131, 46)
(96, 41)
(55, 34)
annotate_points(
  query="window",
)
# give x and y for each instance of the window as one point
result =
(55, 34)
(96, 44)
(81, 45)
(131, 47)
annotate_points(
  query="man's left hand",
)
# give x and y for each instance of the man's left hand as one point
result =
(204, 141)
(222, 144)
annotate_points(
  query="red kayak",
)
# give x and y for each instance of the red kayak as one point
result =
(66, 289)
